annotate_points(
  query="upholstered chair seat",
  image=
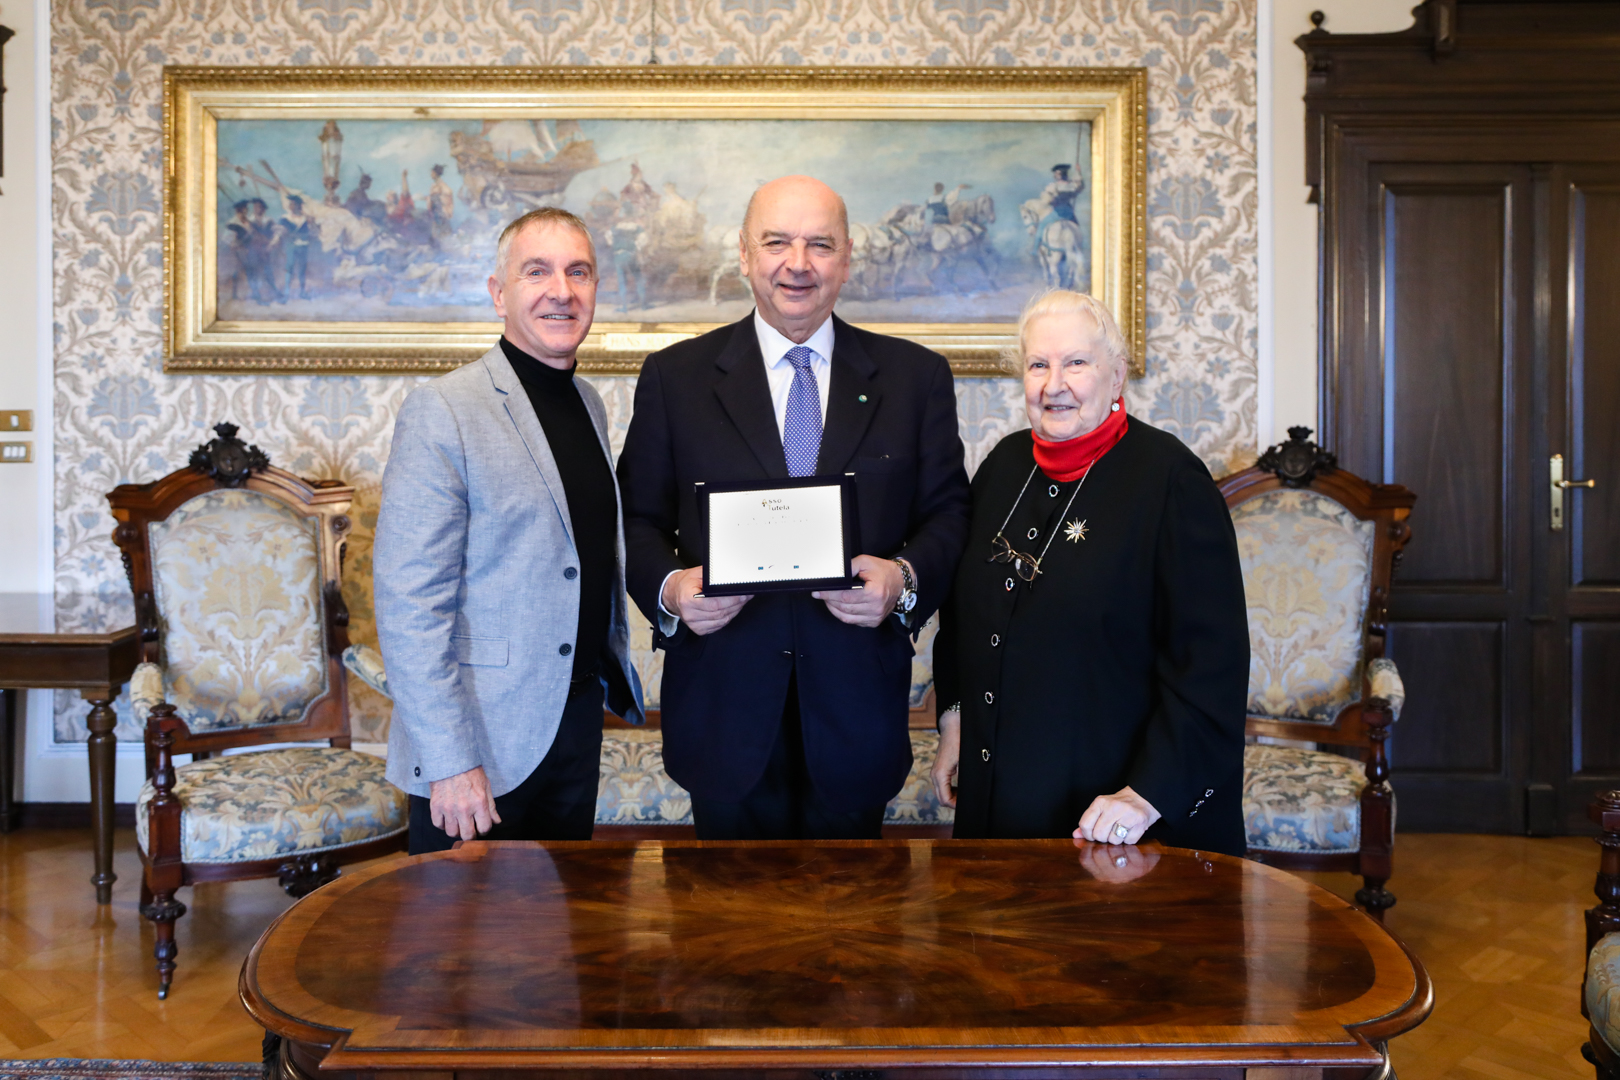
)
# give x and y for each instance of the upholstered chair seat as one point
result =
(273, 804)
(1603, 990)
(635, 790)
(1301, 800)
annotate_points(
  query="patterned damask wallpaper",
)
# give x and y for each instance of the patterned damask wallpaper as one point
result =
(120, 419)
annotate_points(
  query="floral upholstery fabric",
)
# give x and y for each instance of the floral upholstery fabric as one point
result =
(635, 790)
(1301, 800)
(237, 577)
(1384, 681)
(1603, 989)
(922, 664)
(1306, 572)
(917, 804)
(294, 800)
(366, 664)
(145, 690)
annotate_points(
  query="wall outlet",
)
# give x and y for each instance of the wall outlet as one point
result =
(16, 452)
(16, 420)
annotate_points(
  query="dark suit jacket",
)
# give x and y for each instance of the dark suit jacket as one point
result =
(703, 413)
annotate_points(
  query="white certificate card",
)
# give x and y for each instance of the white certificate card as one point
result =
(782, 534)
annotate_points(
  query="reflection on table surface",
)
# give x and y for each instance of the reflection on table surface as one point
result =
(891, 943)
(65, 613)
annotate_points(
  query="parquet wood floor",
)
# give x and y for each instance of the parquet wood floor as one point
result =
(1496, 919)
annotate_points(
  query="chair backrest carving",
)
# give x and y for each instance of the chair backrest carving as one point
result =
(1319, 546)
(234, 565)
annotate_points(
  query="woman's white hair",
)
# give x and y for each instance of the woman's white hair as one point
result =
(1067, 302)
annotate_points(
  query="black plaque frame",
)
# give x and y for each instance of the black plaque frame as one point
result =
(851, 523)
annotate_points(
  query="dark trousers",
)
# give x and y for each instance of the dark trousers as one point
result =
(784, 804)
(556, 802)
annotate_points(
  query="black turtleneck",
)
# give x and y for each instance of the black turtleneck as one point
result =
(593, 502)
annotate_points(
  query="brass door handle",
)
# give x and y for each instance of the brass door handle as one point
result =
(1555, 475)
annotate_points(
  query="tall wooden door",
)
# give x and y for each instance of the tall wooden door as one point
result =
(1436, 393)
(1468, 172)
(1582, 491)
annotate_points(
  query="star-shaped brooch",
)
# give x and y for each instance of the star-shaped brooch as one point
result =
(1075, 532)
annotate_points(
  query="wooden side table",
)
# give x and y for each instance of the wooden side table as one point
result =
(38, 654)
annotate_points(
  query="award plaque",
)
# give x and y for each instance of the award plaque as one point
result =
(779, 536)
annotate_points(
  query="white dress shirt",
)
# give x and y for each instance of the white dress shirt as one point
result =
(774, 346)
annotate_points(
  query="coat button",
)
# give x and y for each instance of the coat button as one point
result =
(417, 771)
(989, 698)
(1033, 533)
(570, 573)
(565, 648)
(995, 639)
(1009, 584)
(985, 754)
(1052, 491)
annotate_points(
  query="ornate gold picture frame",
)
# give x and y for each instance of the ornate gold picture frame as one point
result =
(343, 220)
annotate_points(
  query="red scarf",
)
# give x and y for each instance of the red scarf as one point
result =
(1069, 459)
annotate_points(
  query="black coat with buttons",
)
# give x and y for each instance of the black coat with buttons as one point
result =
(1125, 662)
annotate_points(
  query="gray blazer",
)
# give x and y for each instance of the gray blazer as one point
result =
(476, 582)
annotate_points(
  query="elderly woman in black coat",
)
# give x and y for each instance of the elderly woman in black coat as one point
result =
(1092, 662)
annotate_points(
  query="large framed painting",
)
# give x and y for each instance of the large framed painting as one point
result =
(344, 220)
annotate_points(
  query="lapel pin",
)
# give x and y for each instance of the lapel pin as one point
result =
(862, 399)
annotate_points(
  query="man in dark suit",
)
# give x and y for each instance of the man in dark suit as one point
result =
(784, 714)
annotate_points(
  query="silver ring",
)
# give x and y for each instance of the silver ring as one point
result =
(1119, 860)
(1121, 831)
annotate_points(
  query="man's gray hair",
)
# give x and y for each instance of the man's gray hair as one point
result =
(543, 215)
(1067, 302)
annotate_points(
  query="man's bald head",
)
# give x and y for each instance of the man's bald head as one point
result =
(796, 188)
(794, 251)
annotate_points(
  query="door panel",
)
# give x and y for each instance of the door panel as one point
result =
(1446, 255)
(1597, 698)
(1582, 712)
(1443, 262)
(1452, 721)
(1594, 515)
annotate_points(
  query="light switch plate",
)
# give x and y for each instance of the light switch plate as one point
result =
(16, 420)
(16, 453)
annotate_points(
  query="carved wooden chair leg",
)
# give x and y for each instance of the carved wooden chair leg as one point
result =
(165, 872)
(1377, 815)
(164, 911)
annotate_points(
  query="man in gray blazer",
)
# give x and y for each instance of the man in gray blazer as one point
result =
(499, 567)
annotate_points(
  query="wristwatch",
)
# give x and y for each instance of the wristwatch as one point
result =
(908, 589)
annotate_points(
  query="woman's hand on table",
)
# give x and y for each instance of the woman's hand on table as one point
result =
(1108, 814)
(950, 754)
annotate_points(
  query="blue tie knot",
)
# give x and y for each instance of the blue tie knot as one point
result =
(801, 356)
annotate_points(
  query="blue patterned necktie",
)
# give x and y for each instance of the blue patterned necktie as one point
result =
(801, 427)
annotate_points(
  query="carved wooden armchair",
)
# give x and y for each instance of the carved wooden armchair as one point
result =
(1600, 989)
(235, 569)
(1319, 546)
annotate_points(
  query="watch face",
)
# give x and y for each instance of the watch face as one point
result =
(908, 601)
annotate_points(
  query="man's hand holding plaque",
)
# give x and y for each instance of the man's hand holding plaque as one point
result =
(683, 595)
(871, 604)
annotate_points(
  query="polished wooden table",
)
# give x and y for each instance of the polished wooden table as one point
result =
(865, 959)
(40, 650)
